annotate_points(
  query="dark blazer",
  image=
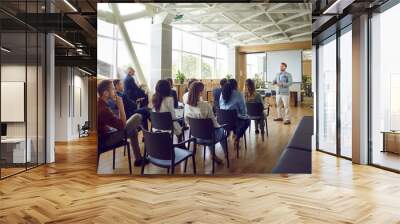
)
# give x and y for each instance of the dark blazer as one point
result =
(216, 95)
(175, 96)
(133, 91)
(129, 105)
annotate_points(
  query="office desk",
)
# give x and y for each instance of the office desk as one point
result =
(13, 150)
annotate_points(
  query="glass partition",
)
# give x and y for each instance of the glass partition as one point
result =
(385, 89)
(346, 93)
(22, 77)
(327, 96)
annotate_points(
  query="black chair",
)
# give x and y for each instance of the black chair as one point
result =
(255, 111)
(228, 119)
(163, 121)
(160, 151)
(203, 131)
(103, 147)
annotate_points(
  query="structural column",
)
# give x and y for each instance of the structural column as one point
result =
(360, 90)
(160, 50)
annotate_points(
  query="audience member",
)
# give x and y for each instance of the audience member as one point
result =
(186, 94)
(163, 102)
(173, 92)
(131, 106)
(132, 89)
(251, 96)
(232, 99)
(217, 93)
(197, 108)
(111, 126)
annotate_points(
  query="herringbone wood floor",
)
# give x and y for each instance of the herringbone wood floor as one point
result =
(70, 191)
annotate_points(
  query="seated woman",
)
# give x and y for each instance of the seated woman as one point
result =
(251, 96)
(232, 99)
(197, 108)
(164, 102)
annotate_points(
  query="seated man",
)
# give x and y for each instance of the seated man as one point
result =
(132, 89)
(107, 121)
(131, 106)
(217, 93)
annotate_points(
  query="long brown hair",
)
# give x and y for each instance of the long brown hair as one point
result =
(194, 93)
(250, 86)
(163, 89)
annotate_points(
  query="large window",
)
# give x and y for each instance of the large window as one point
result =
(113, 55)
(346, 93)
(327, 96)
(385, 84)
(197, 57)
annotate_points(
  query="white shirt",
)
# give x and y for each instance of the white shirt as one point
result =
(167, 105)
(201, 111)
(185, 98)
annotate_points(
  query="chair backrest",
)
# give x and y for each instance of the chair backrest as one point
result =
(161, 121)
(255, 109)
(158, 145)
(227, 117)
(103, 140)
(201, 128)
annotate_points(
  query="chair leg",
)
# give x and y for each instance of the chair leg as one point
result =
(129, 158)
(213, 158)
(227, 152)
(124, 150)
(204, 153)
(194, 164)
(167, 170)
(172, 169)
(250, 128)
(245, 142)
(185, 168)
(266, 125)
(113, 159)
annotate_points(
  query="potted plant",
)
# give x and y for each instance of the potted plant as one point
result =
(228, 76)
(180, 77)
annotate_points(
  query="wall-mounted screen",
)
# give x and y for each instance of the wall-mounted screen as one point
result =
(12, 101)
(292, 58)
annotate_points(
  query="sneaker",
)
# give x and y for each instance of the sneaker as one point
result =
(286, 122)
(278, 119)
(257, 132)
(139, 162)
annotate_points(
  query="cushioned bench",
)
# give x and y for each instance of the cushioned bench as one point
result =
(296, 158)
(294, 161)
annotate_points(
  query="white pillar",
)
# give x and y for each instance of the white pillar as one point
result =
(50, 99)
(160, 53)
(314, 90)
(232, 62)
(360, 90)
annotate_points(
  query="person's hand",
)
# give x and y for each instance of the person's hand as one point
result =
(119, 101)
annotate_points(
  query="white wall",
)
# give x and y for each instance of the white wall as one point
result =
(70, 83)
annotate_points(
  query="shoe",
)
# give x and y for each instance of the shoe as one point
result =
(139, 162)
(278, 119)
(257, 132)
(286, 122)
